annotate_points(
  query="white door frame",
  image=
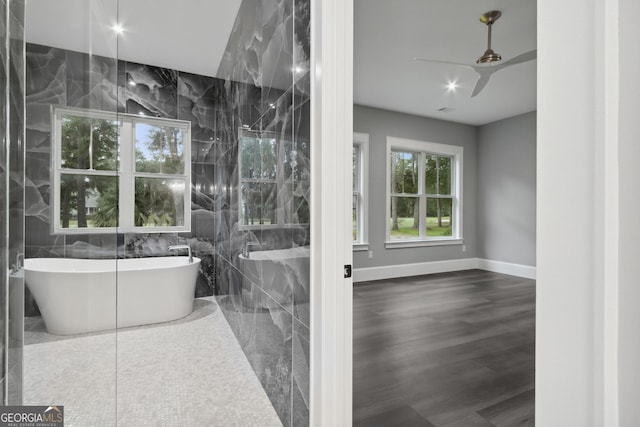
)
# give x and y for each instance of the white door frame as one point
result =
(331, 194)
(577, 262)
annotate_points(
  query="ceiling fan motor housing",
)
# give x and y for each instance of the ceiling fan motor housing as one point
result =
(489, 55)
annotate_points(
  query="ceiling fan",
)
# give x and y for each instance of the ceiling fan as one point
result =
(489, 57)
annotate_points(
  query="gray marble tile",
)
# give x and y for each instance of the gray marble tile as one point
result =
(149, 90)
(264, 331)
(92, 82)
(300, 384)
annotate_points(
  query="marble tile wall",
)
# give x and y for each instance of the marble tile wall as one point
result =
(60, 77)
(268, 302)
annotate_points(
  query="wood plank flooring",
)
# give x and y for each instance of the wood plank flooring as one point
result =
(451, 350)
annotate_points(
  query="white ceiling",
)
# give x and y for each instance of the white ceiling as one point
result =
(185, 35)
(388, 34)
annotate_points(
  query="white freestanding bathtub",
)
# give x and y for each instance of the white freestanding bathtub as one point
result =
(87, 295)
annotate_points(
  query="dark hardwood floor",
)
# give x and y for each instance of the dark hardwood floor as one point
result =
(452, 350)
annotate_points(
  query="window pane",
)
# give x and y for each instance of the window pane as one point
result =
(439, 217)
(259, 158)
(295, 200)
(438, 175)
(356, 167)
(159, 202)
(354, 218)
(405, 218)
(88, 201)
(404, 172)
(88, 143)
(444, 175)
(258, 203)
(159, 149)
(296, 161)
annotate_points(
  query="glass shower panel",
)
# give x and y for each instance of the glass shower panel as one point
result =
(15, 198)
(99, 57)
(11, 200)
(71, 168)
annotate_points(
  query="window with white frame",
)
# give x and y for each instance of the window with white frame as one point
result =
(424, 193)
(119, 172)
(274, 180)
(360, 190)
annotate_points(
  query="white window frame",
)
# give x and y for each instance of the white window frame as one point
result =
(280, 181)
(362, 192)
(125, 172)
(424, 148)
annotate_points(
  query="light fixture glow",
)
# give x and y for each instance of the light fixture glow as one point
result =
(452, 86)
(118, 29)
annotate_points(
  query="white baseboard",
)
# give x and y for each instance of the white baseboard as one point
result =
(406, 270)
(417, 269)
(519, 270)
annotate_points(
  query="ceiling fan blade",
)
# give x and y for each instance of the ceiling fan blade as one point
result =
(481, 83)
(523, 57)
(486, 72)
(456, 64)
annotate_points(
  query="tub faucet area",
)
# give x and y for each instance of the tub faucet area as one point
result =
(181, 247)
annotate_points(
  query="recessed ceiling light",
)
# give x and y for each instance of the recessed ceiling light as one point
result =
(118, 29)
(452, 86)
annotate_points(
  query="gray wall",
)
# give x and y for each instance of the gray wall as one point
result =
(379, 124)
(507, 190)
(629, 205)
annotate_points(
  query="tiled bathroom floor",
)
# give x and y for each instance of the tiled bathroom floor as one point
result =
(190, 372)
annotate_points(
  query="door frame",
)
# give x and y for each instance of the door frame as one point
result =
(331, 195)
(577, 262)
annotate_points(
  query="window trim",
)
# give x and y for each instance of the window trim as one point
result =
(362, 244)
(125, 171)
(424, 148)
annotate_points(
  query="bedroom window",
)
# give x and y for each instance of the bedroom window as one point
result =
(424, 193)
(360, 191)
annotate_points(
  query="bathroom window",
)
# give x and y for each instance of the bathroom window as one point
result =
(424, 193)
(274, 180)
(360, 191)
(120, 172)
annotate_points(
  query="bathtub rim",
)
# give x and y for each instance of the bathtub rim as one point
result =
(69, 262)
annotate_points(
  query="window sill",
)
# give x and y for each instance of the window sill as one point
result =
(271, 226)
(360, 247)
(421, 243)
